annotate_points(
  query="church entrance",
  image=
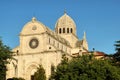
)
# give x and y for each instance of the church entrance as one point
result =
(32, 77)
(30, 72)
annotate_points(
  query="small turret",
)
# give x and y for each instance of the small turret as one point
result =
(84, 36)
(85, 44)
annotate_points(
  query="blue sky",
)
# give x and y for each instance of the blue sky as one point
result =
(99, 18)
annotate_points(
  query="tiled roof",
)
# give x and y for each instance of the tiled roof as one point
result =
(56, 36)
(98, 53)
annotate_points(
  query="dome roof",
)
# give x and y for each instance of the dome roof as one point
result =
(33, 27)
(66, 21)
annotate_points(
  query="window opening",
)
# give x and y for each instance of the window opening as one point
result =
(49, 40)
(60, 30)
(71, 30)
(67, 30)
(63, 30)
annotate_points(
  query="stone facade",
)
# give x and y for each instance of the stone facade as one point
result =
(40, 45)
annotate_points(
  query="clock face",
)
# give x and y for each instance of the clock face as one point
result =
(33, 43)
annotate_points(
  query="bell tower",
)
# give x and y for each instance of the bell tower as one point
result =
(66, 28)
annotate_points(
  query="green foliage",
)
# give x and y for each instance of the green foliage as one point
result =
(117, 48)
(52, 72)
(40, 74)
(117, 45)
(5, 54)
(86, 68)
(14, 78)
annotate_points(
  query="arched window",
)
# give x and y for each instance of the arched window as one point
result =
(49, 40)
(63, 30)
(71, 30)
(60, 30)
(67, 30)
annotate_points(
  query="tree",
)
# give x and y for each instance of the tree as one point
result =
(86, 67)
(5, 54)
(40, 74)
(117, 48)
(61, 69)
(52, 72)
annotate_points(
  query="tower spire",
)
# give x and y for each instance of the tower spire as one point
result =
(84, 36)
(85, 44)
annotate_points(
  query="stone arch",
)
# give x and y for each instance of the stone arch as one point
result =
(30, 70)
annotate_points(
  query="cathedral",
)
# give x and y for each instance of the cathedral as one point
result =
(40, 45)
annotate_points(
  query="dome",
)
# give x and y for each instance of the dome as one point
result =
(65, 24)
(33, 27)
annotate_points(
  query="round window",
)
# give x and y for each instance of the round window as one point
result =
(34, 27)
(33, 43)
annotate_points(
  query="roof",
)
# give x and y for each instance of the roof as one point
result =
(57, 37)
(79, 43)
(33, 27)
(98, 53)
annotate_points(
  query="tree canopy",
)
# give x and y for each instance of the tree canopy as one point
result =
(40, 74)
(117, 48)
(117, 45)
(5, 54)
(86, 68)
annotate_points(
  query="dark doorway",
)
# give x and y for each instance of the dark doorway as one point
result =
(32, 77)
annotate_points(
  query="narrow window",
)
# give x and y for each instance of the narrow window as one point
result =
(63, 30)
(67, 30)
(49, 40)
(15, 69)
(49, 47)
(66, 49)
(53, 42)
(71, 30)
(57, 45)
(60, 30)
(62, 47)
(52, 69)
